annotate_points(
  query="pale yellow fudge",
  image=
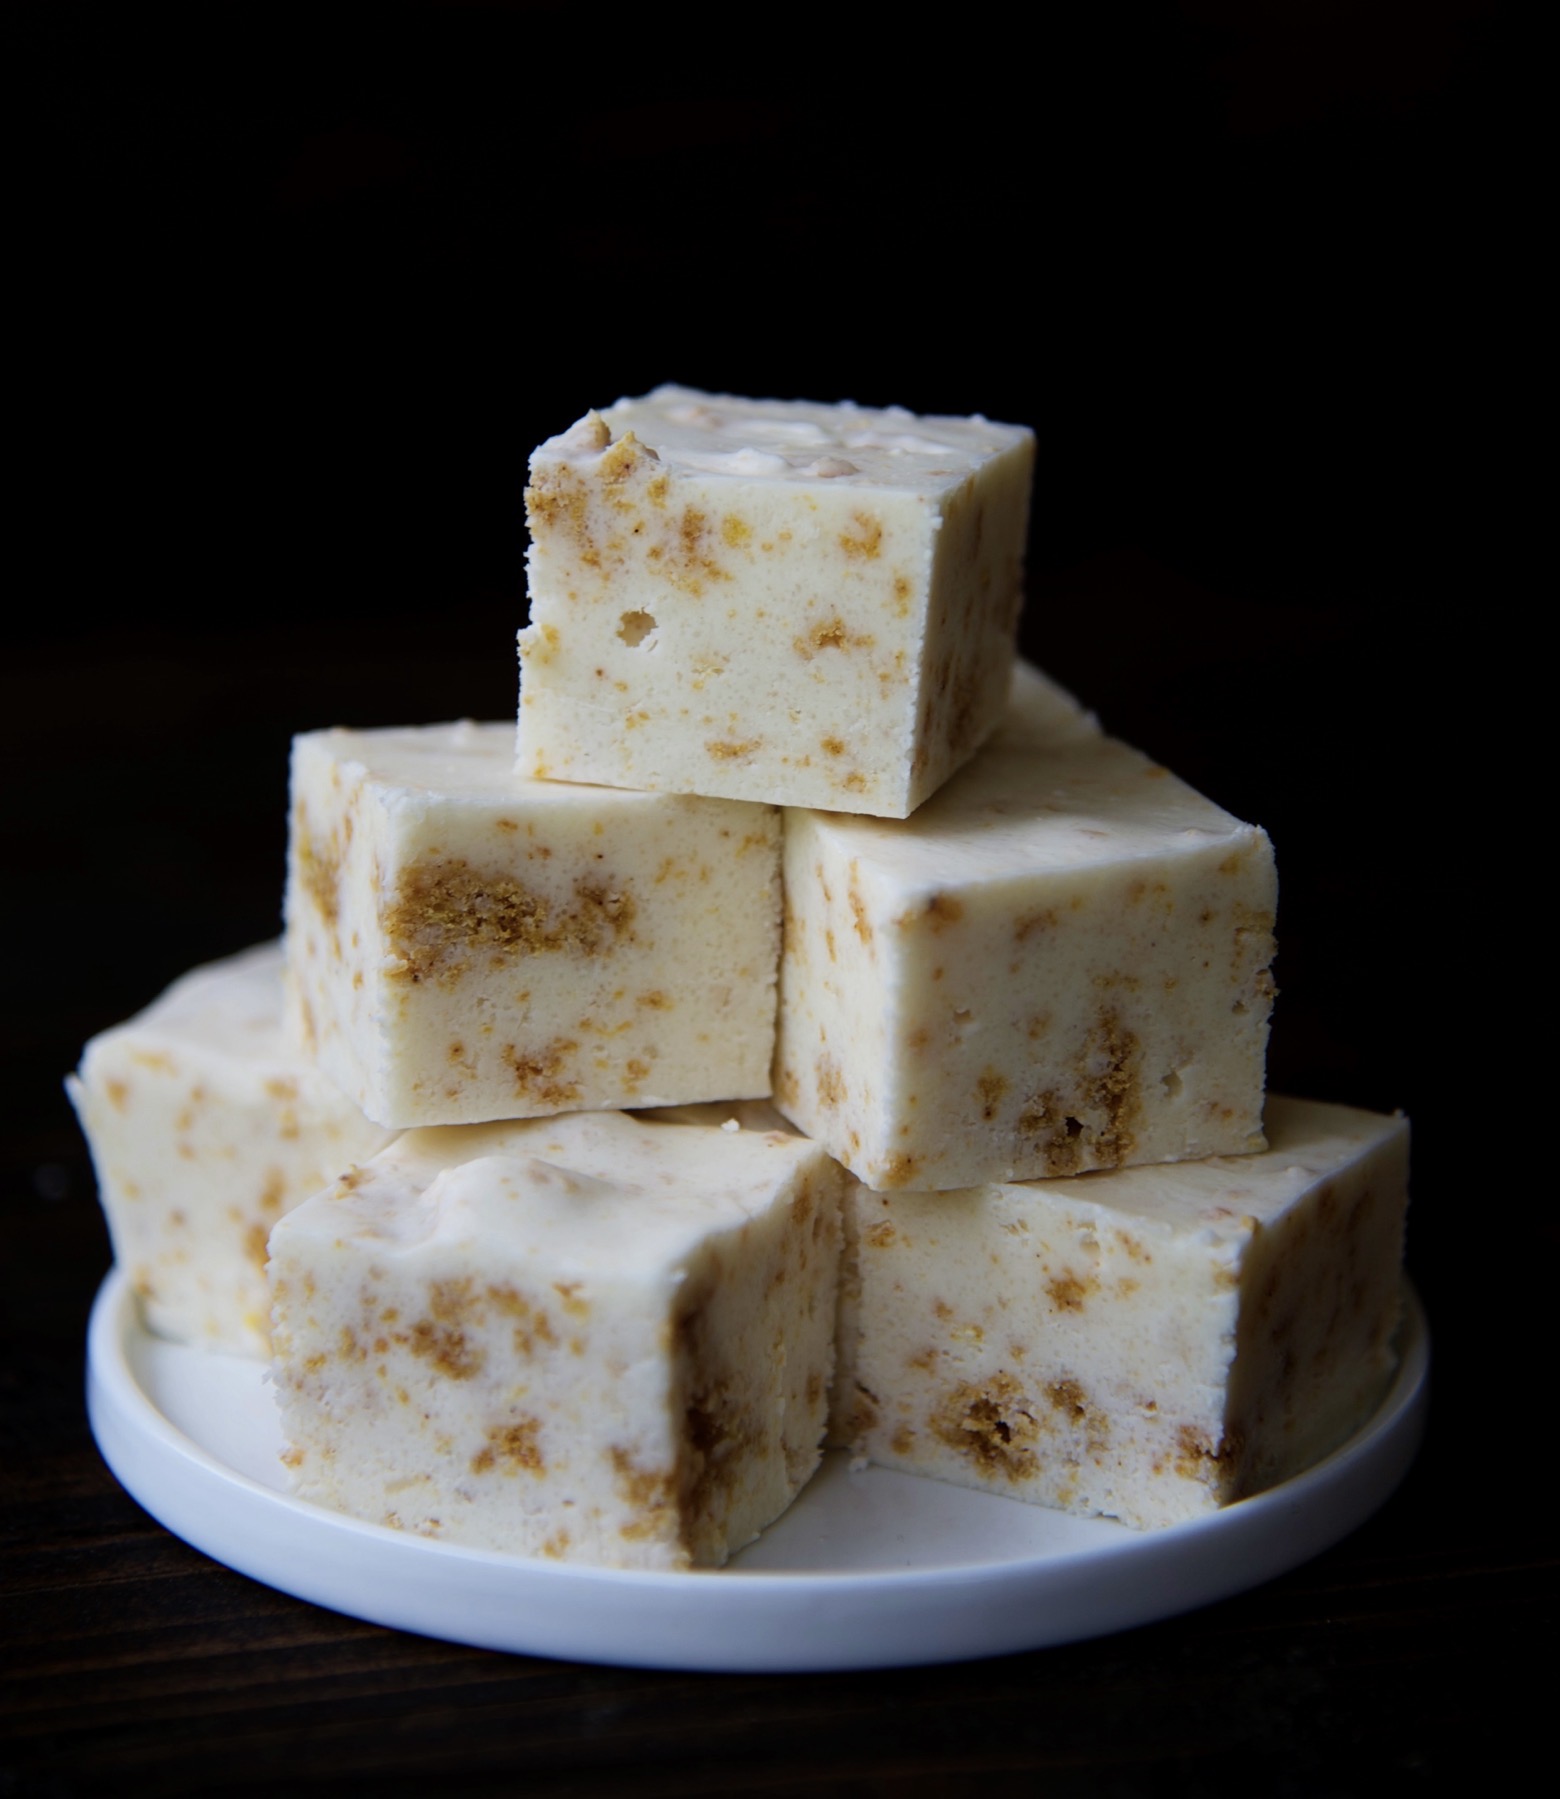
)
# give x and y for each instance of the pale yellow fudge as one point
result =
(466, 945)
(1145, 1344)
(204, 1130)
(593, 1337)
(1042, 713)
(1060, 963)
(770, 600)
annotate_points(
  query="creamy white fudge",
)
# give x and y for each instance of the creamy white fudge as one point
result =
(1060, 963)
(593, 1337)
(1145, 1344)
(466, 945)
(204, 1130)
(770, 600)
(1042, 713)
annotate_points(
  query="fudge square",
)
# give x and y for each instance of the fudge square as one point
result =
(1146, 1344)
(465, 945)
(770, 600)
(594, 1337)
(204, 1130)
(1060, 963)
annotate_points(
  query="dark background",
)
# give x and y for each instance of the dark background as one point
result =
(299, 290)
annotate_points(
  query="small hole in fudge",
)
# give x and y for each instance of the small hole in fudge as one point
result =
(1074, 1129)
(1239, 1008)
(635, 627)
(1172, 1085)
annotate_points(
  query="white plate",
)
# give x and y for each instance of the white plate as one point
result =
(868, 1569)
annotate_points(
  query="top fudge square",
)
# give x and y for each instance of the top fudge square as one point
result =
(767, 600)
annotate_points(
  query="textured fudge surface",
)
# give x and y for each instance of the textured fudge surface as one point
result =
(813, 605)
(1145, 1344)
(1060, 963)
(591, 1337)
(466, 945)
(204, 1130)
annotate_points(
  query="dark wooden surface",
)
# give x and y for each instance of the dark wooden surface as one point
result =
(298, 302)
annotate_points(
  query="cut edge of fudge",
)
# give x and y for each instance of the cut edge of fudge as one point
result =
(204, 1130)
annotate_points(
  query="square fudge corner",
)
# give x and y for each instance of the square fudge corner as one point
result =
(591, 1338)
(1059, 963)
(204, 1130)
(1144, 1344)
(465, 945)
(771, 600)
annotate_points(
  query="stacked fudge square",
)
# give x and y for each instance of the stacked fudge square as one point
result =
(816, 1022)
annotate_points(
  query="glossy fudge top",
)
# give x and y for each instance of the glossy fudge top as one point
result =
(791, 440)
(617, 1197)
(449, 763)
(1021, 812)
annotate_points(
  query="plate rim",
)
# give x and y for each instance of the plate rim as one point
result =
(732, 1619)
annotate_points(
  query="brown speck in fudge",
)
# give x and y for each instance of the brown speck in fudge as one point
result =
(539, 1073)
(1198, 1459)
(532, 1327)
(688, 558)
(830, 1083)
(1043, 920)
(319, 870)
(862, 540)
(622, 459)
(446, 1346)
(256, 1239)
(557, 503)
(831, 633)
(991, 1425)
(942, 909)
(513, 1447)
(991, 1087)
(649, 1492)
(898, 1169)
(445, 909)
(1068, 1398)
(569, 1293)
(1090, 1125)
(859, 914)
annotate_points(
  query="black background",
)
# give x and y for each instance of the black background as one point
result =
(296, 294)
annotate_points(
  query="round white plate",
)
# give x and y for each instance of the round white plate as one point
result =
(867, 1569)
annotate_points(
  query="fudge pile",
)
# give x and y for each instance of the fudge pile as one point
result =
(815, 1028)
